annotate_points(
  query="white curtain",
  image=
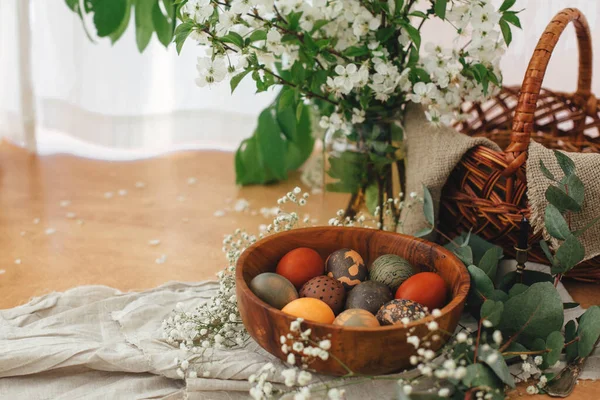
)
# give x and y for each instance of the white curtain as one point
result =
(96, 96)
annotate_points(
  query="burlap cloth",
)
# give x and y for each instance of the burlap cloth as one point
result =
(587, 167)
(431, 155)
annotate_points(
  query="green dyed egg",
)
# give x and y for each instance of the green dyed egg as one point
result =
(273, 289)
(391, 270)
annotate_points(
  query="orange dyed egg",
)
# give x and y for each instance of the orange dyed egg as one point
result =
(310, 310)
(300, 265)
(426, 288)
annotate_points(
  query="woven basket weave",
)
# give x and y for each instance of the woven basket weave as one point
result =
(487, 190)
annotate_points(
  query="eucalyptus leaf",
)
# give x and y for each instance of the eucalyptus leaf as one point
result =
(575, 189)
(561, 200)
(555, 223)
(465, 254)
(555, 343)
(534, 313)
(570, 334)
(489, 261)
(493, 359)
(547, 251)
(492, 311)
(480, 375)
(588, 331)
(428, 206)
(565, 163)
(546, 171)
(569, 254)
(498, 295)
(517, 289)
(481, 284)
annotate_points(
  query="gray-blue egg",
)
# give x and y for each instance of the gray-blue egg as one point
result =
(273, 289)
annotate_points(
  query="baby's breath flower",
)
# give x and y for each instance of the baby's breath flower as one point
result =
(461, 337)
(526, 367)
(407, 389)
(444, 392)
(497, 336)
(532, 390)
(433, 326)
(414, 340)
(538, 360)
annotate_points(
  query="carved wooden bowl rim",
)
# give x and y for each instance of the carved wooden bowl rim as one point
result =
(457, 300)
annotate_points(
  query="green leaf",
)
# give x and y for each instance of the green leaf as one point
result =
(256, 36)
(506, 33)
(423, 232)
(397, 132)
(480, 375)
(399, 4)
(383, 34)
(569, 254)
(414, 34)
(299, 109)
(440, 8)
(465, 254)
(511, 18)
(428, 206)
(489, 261)
(547, 252)
(534, 313)
(496, 362)
(546, 171)
(372, 197)
(114, 36)
(235, 81)
(108, 15)
(570, 334)
(233, 38)
(555, 223)
(143, 23)
(588, 331)
(569, 305)
(498, 295)
(506, 5)
(249, 167)
(271, 144)
(354, 51)
(555, 343)
(565, 163)
(319, 24)
(561, 200)
(514, 347)
(575, 189)
(182, 31)
(481, 285)
(162, 23)
(492, 311)
(517, 289)
(286, 100)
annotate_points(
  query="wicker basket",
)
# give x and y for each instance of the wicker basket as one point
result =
(487, 190)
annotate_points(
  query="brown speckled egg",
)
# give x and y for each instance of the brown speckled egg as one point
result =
(369, 295)
(393, 312)
(327, 289)
(347, 266)
(356, 317)
(273, 289)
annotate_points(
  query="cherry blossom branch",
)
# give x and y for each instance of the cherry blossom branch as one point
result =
(306, 92)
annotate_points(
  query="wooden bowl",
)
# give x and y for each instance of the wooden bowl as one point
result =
(370, 351)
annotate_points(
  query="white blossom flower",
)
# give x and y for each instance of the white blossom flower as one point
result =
(211, 70)
(199, 10)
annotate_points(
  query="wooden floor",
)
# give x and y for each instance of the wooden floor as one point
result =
(60, 227)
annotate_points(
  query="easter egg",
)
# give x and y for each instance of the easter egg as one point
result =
(300, 265)
(347, 266)
(310, 309)
(391, 270)
(394, 311)
(426, 288)
(369, 295)
(273, 289)
(356, 317)
(325, 288)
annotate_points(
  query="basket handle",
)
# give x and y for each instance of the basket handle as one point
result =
(516, 152)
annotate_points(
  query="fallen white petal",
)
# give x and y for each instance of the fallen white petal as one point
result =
(65, 203)
(18, 261)
(154, 242)
(140, 184)
(219, 213)
(36, 221)
(71, 215)
(108, 195)
(50, 231)
(122, 192)
(192, 181)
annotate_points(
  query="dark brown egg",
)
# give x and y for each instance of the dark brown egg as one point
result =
(327, 289)
(369, 295)
(347, 266)
(356, 317)
(273, 289)
(393, 312)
